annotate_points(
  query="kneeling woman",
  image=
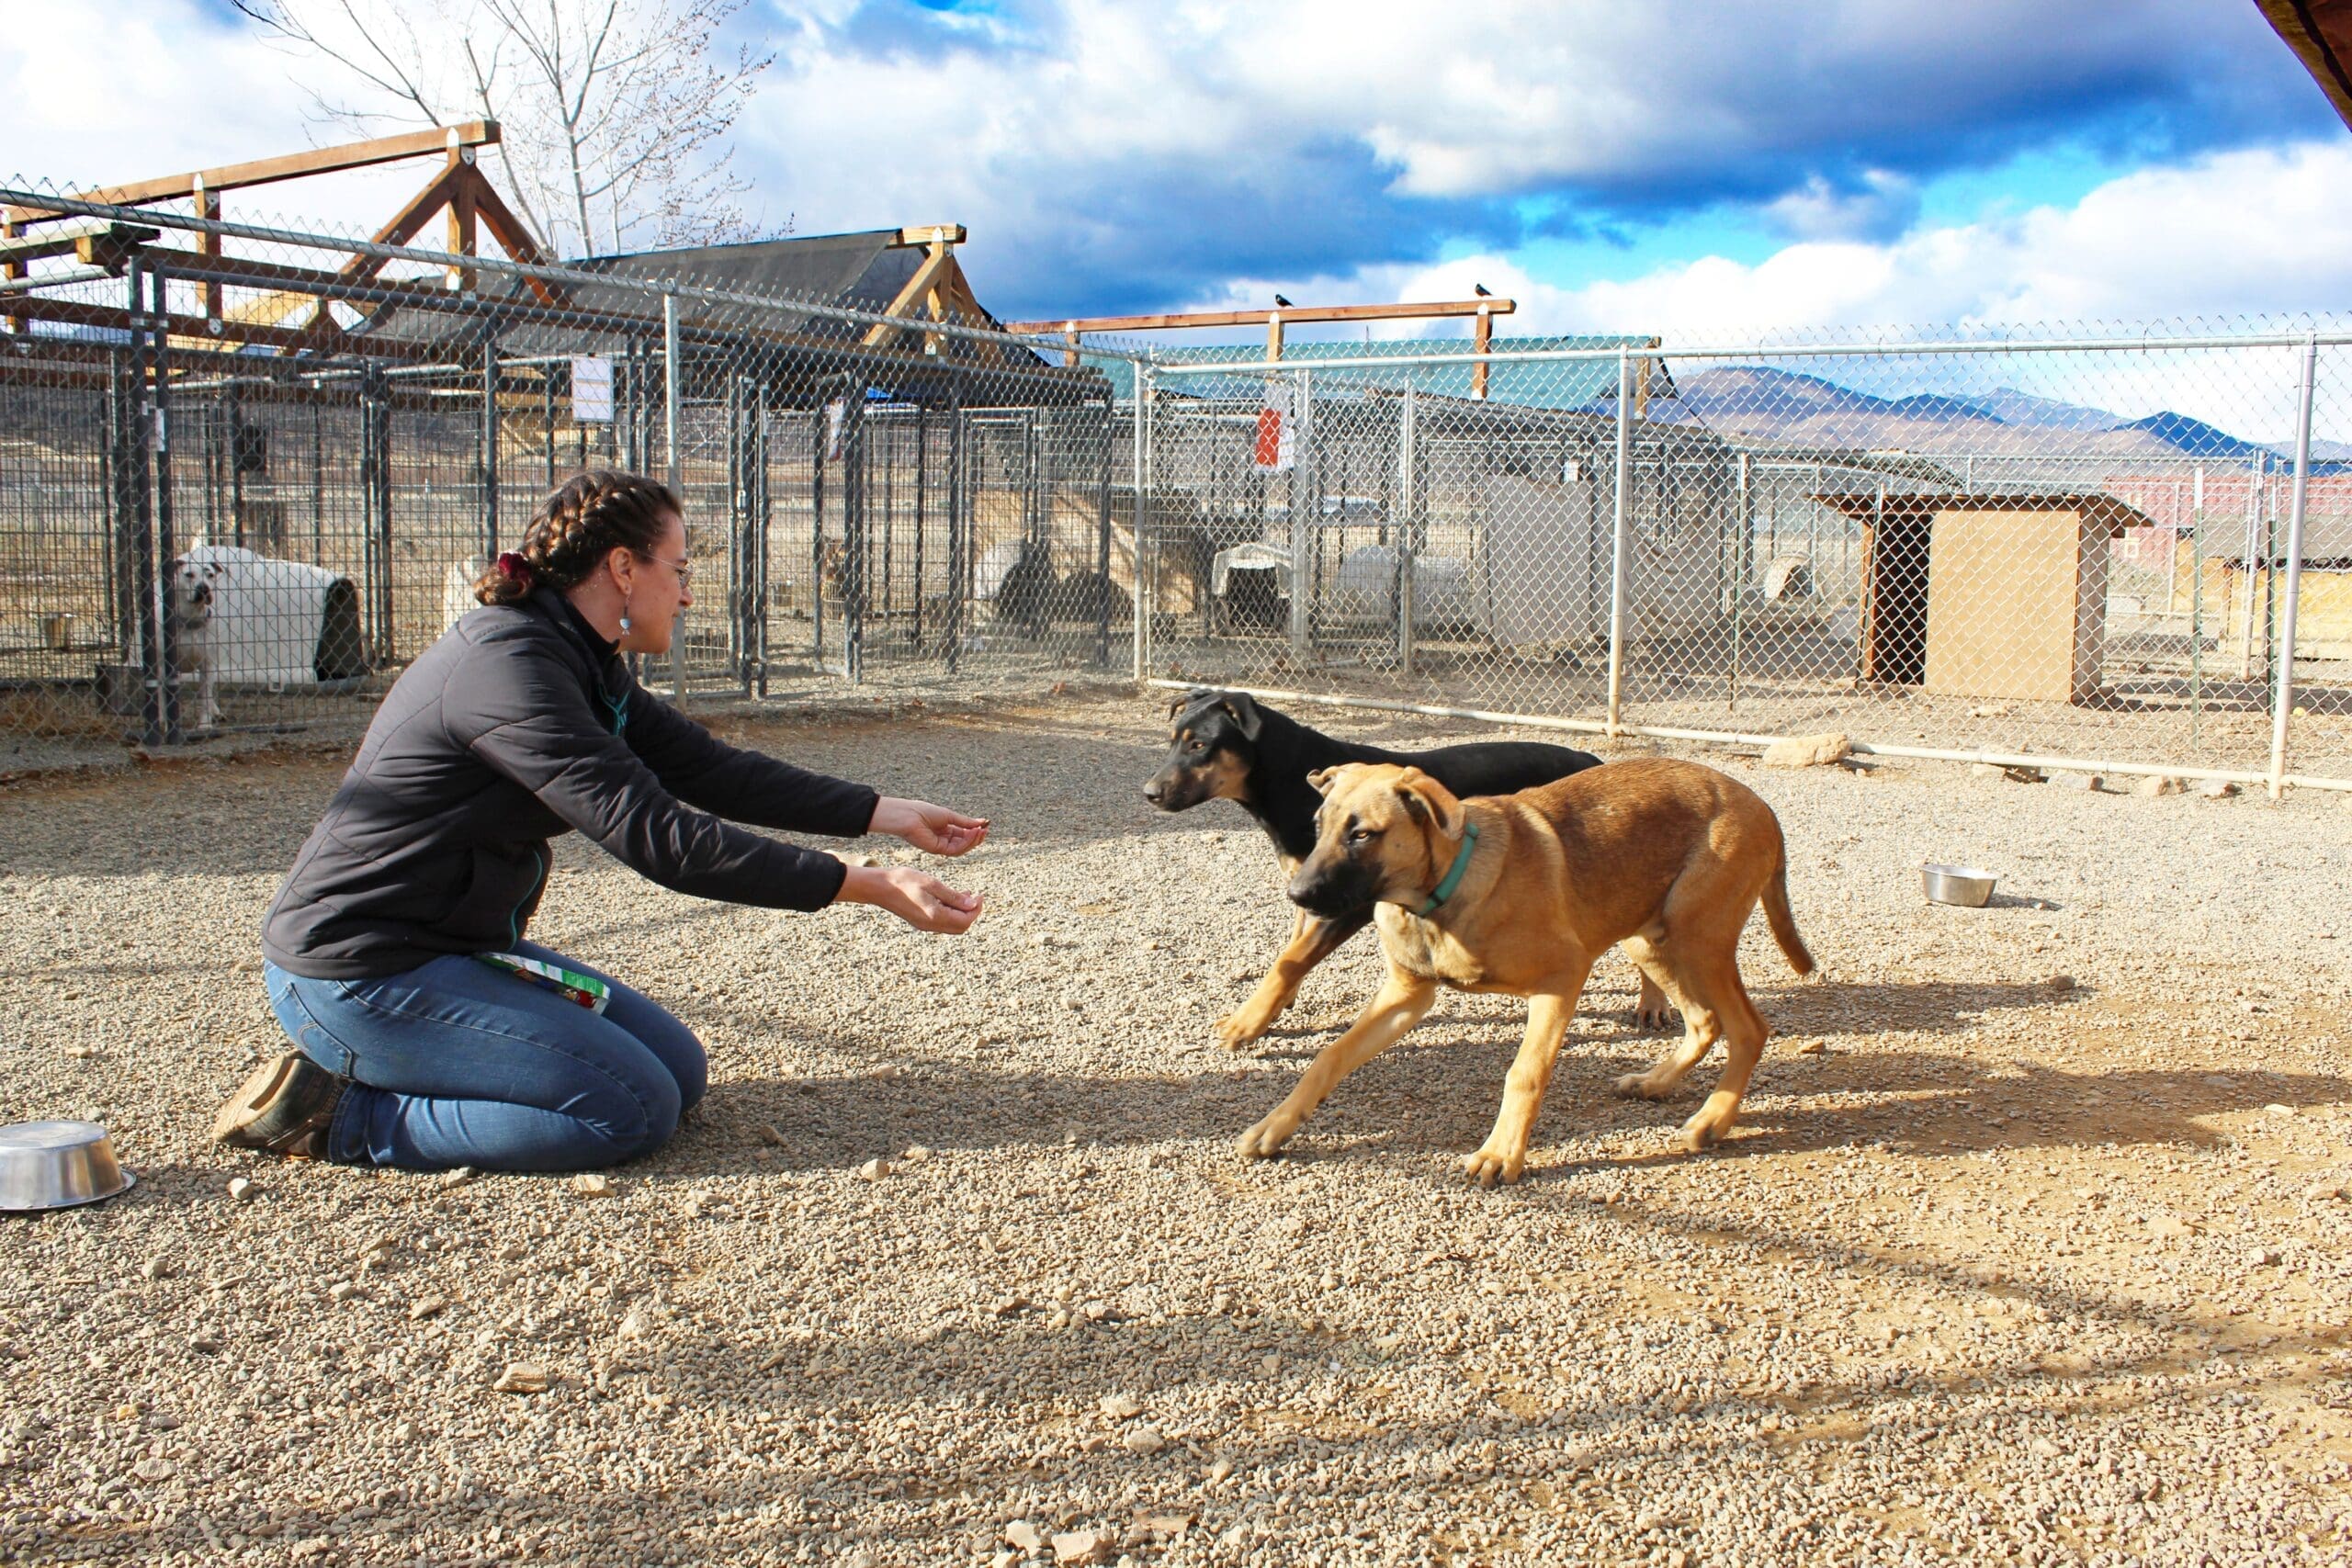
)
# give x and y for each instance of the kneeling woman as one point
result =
(392, 949)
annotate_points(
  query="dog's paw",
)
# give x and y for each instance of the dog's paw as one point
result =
(1703, 1132)
(1489, 1166)
(1639, 1085)
(1662, 1016)
(1266, 1139)
(1236, 1030)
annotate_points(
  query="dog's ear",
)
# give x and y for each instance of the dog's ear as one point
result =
(1321, 780)
(1244, 712)
(1432, 802)
(1191, 699)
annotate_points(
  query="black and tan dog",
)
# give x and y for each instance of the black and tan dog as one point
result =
(1227, 746)
(1520, 894)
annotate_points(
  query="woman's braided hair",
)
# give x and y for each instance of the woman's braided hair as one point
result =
(588, 517)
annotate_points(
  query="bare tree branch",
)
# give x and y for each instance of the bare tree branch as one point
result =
(615, 114)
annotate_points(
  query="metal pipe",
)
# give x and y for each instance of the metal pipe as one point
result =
(1409, 521)
(2282, 706)
(1142, 590)
(1742, 517)
(672, 416)
(1617, 562)
(166, 542)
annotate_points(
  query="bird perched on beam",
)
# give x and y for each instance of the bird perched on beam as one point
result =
(1482, 291)
(1283, 302)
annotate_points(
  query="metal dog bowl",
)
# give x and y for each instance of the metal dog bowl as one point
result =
(1965, 885)
(56, 1165)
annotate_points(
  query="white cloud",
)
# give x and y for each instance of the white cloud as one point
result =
(2221, 244)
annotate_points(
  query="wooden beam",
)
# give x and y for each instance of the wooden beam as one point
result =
(1273, 335)
(916, 287)
(208, 206)
(1292, 314)
(462, 192)
(1484, 340)
(264, 171)
(930, 234)
(65, 238)
(513, 235)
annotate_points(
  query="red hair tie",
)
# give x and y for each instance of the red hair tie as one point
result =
(513, 566)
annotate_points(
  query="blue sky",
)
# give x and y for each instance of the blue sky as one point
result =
(1661, 165)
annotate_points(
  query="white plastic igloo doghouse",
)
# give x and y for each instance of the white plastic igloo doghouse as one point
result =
(280, 622)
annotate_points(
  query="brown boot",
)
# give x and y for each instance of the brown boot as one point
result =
(285, 1108)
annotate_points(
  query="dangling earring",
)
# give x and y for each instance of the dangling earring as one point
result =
(624, 620)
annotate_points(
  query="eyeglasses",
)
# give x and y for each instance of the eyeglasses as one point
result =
(684, 569)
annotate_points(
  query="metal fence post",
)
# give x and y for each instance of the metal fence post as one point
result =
(672, 412)
(1302, 499)
(2283, 705)
(1617, 565)
(166, 541)
(2248, 557)
(146, 434)
(1408, 516)
(1743, 519)
(488, 463)
(1147, 571)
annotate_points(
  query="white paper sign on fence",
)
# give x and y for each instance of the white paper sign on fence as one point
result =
(591, 389)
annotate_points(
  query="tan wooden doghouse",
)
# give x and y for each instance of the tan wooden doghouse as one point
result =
(1976, 596)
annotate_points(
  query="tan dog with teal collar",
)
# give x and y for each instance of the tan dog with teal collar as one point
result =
(1519, 892)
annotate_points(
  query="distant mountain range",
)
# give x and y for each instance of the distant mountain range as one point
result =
(1786, 408)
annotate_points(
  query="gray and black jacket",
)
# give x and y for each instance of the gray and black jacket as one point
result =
(521, 724)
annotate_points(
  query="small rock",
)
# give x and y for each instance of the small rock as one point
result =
(1990, 710)
(154, 1470)
(2170, 1227)
(157, 1268)
(521, 1377)
(2062, 982)
(342, 1290)
(1808, 751)
(633, 1323)
(2021, 775)
(1987, 770)
(1025, 1535)
(593, 1184)
(917, 1152)
(2268, 1257)
(1220, 1469)
(242, 1190)
(204, 1343)
(1082, 1546)
(2156, 784)
(1144, 1440)
(874, 1170)
(1096, 1310)
(426, 1307)
(458, 1177)
(2092, 783)
(886, 1071)
(2216, 789)
(1813, 1048)
(2274, 1109)
(770, 1136)
(1121, 1408)
(2042, 1447)
(2324, 1192)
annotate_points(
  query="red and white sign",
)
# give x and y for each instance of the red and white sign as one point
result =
(1273, 451)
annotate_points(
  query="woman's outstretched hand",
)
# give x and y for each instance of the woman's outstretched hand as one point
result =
(917, 897)
(928, 827)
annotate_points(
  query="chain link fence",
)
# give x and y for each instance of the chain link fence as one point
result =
(247, 472)
(1946, 548)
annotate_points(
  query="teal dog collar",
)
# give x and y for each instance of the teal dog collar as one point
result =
(1452, 873)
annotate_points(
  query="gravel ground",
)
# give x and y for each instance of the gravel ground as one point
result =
(2029, 1247)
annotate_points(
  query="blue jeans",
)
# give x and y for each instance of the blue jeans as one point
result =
(454, 1063)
